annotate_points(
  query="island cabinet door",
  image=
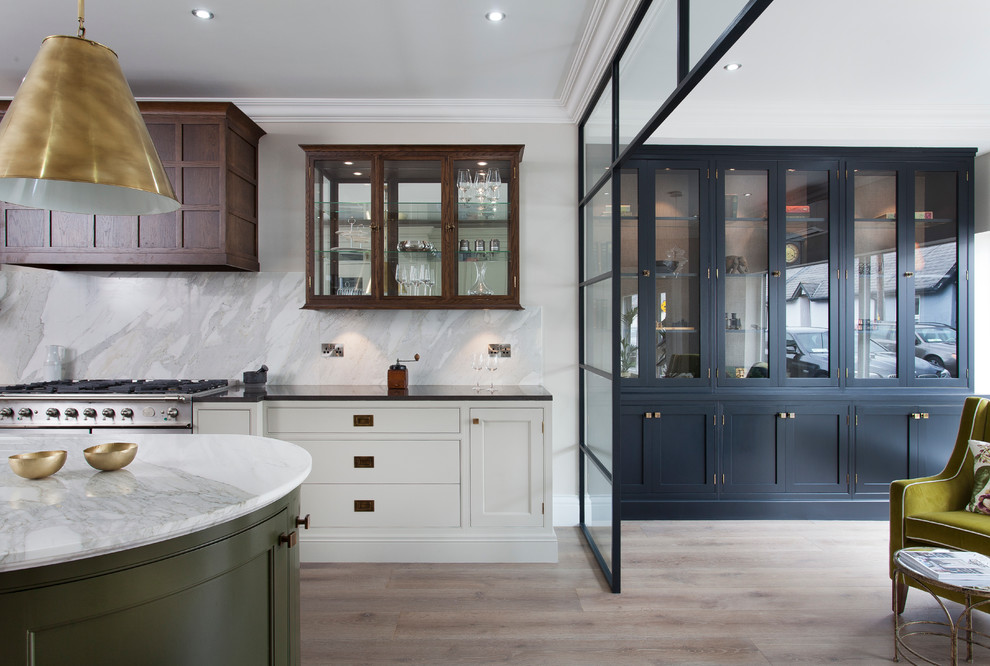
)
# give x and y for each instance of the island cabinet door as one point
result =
(227, 600)
(507, 468)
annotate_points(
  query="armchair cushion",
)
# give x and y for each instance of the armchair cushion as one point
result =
(980, 499)
(958, 530)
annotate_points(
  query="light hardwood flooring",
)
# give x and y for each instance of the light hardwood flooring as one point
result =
(693, 592)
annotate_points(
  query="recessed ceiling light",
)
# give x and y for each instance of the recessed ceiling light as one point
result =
(357, 173)
(482, 163)
(732, 66)
(495, 16)
(202, 13)
(348, 163)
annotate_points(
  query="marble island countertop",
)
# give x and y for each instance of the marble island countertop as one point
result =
(177, 484)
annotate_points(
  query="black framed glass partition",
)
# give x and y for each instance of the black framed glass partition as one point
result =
(667, 49)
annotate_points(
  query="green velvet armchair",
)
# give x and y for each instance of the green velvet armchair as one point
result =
(930, 511)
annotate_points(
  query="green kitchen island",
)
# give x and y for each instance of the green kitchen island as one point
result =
(186, 556)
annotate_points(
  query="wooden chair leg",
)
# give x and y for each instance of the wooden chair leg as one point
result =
(898, 595)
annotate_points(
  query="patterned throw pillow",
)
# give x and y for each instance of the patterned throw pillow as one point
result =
(980, 501)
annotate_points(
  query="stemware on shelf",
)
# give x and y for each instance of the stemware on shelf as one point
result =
(481, 186)
(494, 184)
(464, 184)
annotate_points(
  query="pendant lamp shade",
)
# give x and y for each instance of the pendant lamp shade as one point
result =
(74, 140)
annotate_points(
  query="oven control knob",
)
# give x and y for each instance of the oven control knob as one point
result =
(127, 413)
(89, 413)
(6, 413)
(25, 412)
(52, 412)
(172, 412)
(108, 412)
(148, 411)
(71, 413)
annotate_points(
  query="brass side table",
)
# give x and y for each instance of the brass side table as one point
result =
(952, 628)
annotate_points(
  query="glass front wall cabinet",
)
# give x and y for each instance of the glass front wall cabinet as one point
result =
(744, 275)
(664, 271)
(906, 293)
(413, 226)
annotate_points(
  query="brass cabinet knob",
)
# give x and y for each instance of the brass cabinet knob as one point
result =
(303, 522)
(292, 538)
(646, 272)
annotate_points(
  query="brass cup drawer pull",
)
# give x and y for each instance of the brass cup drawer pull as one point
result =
(364, 506)
(364, 462)
(364, 420)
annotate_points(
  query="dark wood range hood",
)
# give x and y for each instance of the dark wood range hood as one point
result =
(210, 152)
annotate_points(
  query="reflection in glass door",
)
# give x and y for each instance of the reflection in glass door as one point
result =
(745, 289)
(874, 274)
(936, 274)
(413, 227)
(807, 293)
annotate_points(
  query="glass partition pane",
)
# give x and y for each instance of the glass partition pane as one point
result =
(598, 235)
(936, 275)
(647, 70)
(413, 227)
(598, 417)
(342, 265)
(629, 342)
(806, 276)
(875, 274)
(483, 226)
(598, 325)
(598, 140)
(677, 252)
(598, 511)
(708, 20)
(746, 305)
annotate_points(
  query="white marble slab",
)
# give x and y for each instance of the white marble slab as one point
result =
(203, 325)
(177, 484)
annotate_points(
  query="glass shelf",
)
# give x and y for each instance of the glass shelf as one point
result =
(487, 212)
(498, 255)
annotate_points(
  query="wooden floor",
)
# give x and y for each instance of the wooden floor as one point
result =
(722, 592)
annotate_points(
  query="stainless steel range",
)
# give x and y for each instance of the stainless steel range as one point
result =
(104, 403)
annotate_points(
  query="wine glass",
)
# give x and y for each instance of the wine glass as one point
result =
(416, 278)
(478, 364)
(481, 185)
(429, 279)
(494, 183)
(491, 365)
(402, 278)
(464, 185)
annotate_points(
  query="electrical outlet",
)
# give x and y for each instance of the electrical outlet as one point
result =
(505, 351)
(332, 350)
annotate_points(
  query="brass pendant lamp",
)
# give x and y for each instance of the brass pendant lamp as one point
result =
(74, 140)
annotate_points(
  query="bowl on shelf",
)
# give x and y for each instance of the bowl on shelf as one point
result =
(37, 465)
(110, 456)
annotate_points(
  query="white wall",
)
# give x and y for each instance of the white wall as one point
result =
(981, 276)
(548, 239)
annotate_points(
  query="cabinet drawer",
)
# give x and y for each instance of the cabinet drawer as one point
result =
(384, 462)
(303, 420)
(395, 505)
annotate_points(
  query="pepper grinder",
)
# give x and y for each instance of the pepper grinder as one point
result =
(398, 374)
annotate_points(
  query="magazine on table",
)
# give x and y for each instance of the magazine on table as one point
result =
(949, 566)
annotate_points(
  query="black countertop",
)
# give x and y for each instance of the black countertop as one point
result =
(344, 392)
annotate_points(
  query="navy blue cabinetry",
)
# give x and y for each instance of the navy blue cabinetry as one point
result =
(792, 327)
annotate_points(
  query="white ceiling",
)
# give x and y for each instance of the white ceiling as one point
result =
(853, 72)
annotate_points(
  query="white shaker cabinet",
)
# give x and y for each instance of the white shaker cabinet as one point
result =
(422, 481)
(227, 418)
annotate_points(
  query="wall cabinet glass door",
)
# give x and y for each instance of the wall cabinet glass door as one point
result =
(904, 289)
(664, 273)
(412, 226)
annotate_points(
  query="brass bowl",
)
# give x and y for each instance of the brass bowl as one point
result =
(110, 456)
(37, 465)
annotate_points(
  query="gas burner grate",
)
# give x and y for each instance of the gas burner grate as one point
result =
(118, 387)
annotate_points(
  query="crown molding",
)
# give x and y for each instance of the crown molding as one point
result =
(604, 32)
(398, 110)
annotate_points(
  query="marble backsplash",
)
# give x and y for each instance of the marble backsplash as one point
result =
(203, 325)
